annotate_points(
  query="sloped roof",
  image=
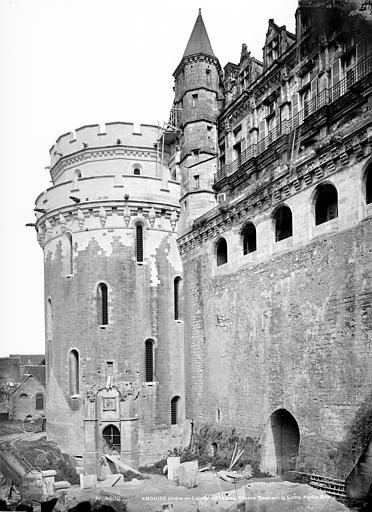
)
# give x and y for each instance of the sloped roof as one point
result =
(199, 40)
(25, 379)
(37, 371)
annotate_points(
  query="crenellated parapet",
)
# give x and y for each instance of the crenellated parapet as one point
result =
(111, 134)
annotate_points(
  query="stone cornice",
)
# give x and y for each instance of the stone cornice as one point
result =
(101, 211)
(335, 153)
(201, 57)
(107, 153)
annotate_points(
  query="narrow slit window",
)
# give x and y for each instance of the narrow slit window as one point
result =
(74, 372)
(175, 410)
(139, 243)
(102, 304)
(178, 298)
(149, 361)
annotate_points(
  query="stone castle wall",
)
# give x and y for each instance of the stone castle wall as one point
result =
(285, 327)
(93, 241)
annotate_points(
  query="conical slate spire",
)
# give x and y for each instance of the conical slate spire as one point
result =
(199, 40)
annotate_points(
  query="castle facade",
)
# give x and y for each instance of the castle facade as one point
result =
(218, 271)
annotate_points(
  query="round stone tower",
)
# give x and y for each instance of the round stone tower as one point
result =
(196, 101)
(113, 296)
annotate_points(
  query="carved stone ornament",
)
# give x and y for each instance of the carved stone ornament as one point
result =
(40, 236)
(128, 389)
(91, 392)
(126, 215)
(102, 216)
(62, 222)
(48, 227)
(152, 216)
(80, 218)
(173, 220)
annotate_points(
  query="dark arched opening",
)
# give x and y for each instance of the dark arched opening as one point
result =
(175, 402)
(178, 298)
(221, 252)
(111, 439)
(74, 372)
(102, 306)
(149, 361)
(139, 243)
(326, 207)
(249, 238)
(286, 436)
(283, 223)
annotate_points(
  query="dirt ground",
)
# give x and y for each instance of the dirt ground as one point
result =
(150, 494)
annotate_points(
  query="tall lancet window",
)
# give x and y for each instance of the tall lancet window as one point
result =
(74, 372)
(139, 243)
(102, 304)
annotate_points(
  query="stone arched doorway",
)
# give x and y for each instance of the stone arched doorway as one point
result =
(286, 440)
(111, 440)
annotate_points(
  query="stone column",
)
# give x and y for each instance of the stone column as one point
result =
(92, 465)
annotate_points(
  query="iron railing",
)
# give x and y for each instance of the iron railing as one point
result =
(287, 126)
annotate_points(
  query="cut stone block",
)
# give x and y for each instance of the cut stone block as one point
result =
(62, 484)
(88, 481)
(188, 474)
(173, 464)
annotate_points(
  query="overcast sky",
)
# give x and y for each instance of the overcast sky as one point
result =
(67, 63)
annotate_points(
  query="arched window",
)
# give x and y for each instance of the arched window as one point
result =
(23, 395)
(283, 223)
(175, 403)
(221, 252)
(111, 438)
(139, 242)
(102, 310)
(68, 255)
(178, 298)
(149, 361)
(368, 181)
(249, 238)
(49, 320)
(77, 174)
(73, 371)
(39, 401)
(137, 171)
(326, 203)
